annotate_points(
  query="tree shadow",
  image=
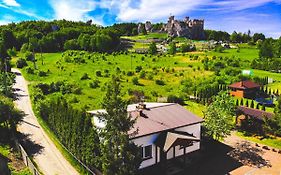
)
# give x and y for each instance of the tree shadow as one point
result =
(4, 169)
(249, 155)
(30, 147)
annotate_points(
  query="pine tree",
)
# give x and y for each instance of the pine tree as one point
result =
(237, 102)
(258, 106)
(241, 102)
(263, 107)
(119, 155)
(252, 104)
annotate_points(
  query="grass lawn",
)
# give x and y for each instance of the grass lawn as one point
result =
(148, 36)
(272, 142)
(195, 108)
(170, 69)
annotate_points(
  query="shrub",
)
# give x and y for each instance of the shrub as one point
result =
(135, 81)
(130, 73)
(142, 74)
(77, 90)
(160, 82)
(95, 84)
(29, 70)
(150, 76)
(21, 63)
(175, 99)
(42, 74)
(45, 88)
(29, 56)
(85, 76)
(98, 73)
(138, 69)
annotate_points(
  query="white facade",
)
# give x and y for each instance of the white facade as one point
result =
(149, 140)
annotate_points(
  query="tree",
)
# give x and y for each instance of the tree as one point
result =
(218, 116)
(152, 48)
(9, 115)
(119, 155)
(252, 104)
(266, 49)
(258, 36)
(172, 48)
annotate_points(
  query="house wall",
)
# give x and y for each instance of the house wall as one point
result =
(192, 129)
(145, 141)
(237, 93)
(149, 140)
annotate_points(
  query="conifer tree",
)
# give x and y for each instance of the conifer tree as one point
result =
(247, 103)
(119, 155)
(241, 102)
(252, 104)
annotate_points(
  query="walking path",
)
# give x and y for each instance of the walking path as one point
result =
(49, 159)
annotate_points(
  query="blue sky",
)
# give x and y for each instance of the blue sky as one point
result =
(239, 15)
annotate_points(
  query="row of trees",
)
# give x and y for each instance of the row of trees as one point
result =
(55, 36)
(234, 37)
(108, 149)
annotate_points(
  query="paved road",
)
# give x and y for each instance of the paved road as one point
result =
(49, 160)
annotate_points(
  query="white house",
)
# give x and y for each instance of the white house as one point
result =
(163, 130)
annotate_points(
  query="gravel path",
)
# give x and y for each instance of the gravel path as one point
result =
(48, 158)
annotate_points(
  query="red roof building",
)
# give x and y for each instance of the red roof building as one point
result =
(244, 89)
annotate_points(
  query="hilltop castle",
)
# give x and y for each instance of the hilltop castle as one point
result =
(192, 29)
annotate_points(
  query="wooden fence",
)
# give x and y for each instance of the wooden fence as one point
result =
(27, 161)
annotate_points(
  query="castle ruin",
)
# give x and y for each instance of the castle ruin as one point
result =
(193, 29)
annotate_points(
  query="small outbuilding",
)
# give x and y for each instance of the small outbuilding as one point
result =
(251, 119)
(244, 89)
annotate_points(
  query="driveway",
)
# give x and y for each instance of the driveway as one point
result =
(48, 158)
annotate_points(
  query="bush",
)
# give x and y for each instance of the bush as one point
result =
(135, 81)
(29, 70)
(29, 56)
(138, 69)
(95, 84)
(77, 90)
(160, 82)
(142, 74)
(42, 74)
(98, 73)
(130, 73)
(175, 99)
(21, 63)
(85, 76)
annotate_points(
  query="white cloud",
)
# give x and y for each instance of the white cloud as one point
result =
(75, 10)
(242, 22)
(152, 10)
(236, 5)
(12, 3)
(6, 19)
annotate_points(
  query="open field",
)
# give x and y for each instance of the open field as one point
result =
(169, 69)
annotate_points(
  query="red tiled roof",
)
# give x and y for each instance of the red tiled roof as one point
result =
(161, 118)
(244, 85)
(259, 114)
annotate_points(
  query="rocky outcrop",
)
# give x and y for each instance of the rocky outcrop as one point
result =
(148, 26)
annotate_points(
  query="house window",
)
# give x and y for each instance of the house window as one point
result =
(147, 152)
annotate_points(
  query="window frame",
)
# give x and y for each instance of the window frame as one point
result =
(145, 151)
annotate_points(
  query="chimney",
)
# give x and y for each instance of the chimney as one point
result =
(141, 106)
(141, 114)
